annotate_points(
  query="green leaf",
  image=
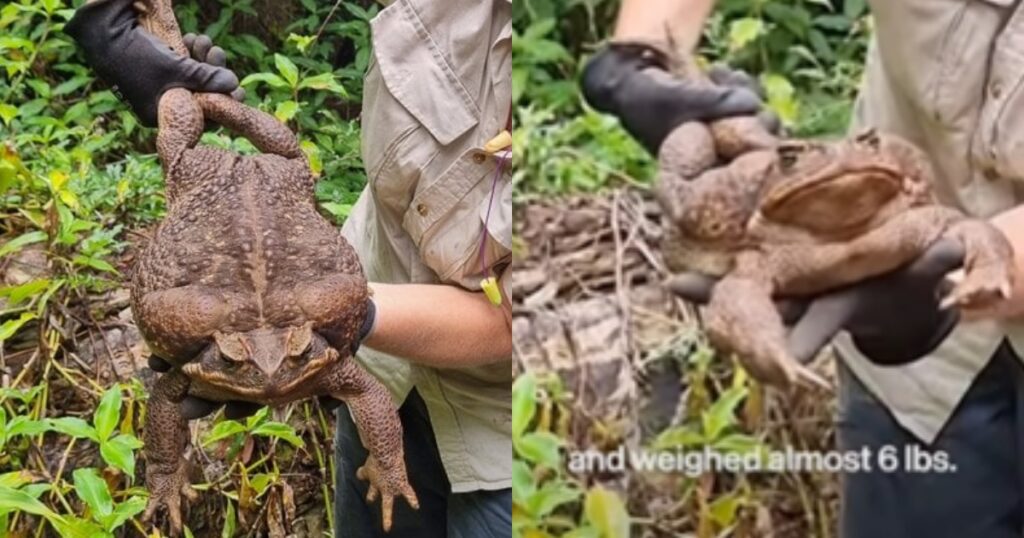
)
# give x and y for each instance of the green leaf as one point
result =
(522, 482)
(16, 479)
(549, 497)
(286, 110)
(108, 412)
(302, 42)
(95, 263)
(11, 326)
(287, 69)
(22, 240)
(854, 8)
(524, 403)
(743, 31)
(269, 78)
(605, 510)
(678, 437)
(7, 112)
(323, 81)
(75, 427)
(22, 425)
(336, 209)
(540, 448)
(123, 512)
(92, 489)
(119, 453)
(16, 500)
(16, 294)
(260, 482)
(780, 96)
(722, 413)
(278, 430)
(723, 509)
(222, 430)
(75, 527)
(739, 443)
(229, 521)
(257, 418)
(312, 151)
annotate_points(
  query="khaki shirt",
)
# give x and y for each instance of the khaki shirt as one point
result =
(437, 89)
(949, 76)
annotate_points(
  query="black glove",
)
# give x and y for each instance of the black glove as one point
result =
(139, 66)
(632, 82)
(193, 407)
(893, 319)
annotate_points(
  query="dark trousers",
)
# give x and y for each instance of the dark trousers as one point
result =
(982, 498)
(478, 514)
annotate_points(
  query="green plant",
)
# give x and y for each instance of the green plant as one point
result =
(546, 500)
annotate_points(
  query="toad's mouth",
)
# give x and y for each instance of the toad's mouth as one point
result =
(233, 381)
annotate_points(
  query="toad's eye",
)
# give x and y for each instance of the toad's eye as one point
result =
(869, 138)
(788, 157)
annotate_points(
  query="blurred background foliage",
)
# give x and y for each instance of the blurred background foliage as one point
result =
(808, 56)
(80, 192)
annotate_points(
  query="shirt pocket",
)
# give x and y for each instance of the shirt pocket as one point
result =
(936, 52)
(446, 220)
(998, 146)
(413, 105)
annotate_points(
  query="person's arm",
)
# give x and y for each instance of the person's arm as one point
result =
(440, 326)
(646, 20)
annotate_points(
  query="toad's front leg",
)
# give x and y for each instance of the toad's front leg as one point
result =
(166, 437)
(380, 431)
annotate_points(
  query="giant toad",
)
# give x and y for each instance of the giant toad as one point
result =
(800, 218)
(247, 290)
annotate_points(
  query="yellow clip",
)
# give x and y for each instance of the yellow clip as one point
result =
(490, 287)
(498, 143)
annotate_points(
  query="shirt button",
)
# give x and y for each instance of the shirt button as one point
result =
(479, 158)
(995, 90)
(421, 209)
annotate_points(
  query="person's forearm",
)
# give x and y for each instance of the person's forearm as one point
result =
(438, 325)
(649, 20)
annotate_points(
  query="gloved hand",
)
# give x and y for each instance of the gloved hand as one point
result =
(632, 81)
(193, 407)
(893, 319)
(139, 66)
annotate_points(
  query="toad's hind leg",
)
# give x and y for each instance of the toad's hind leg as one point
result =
(380, 431)
(166, 438)
(741, 318)
(988, 265)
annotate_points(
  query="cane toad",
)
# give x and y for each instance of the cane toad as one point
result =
(802, 218)
(247, 290)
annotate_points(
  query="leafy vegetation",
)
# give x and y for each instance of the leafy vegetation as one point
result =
(80, 192)
(808, 56)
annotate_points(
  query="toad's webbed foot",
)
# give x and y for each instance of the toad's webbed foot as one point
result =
(741, 318)
(988, 266)
(387, 483)
(165, 492)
